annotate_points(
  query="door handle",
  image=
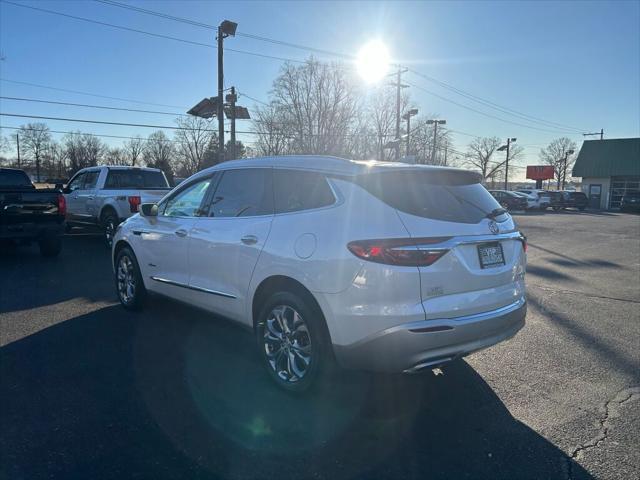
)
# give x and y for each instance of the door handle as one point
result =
(249, 239)
(90, 197)
(181, 233)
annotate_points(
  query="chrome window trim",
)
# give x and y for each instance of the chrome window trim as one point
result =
(192, 287)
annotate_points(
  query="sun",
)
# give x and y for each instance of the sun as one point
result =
(373, 61)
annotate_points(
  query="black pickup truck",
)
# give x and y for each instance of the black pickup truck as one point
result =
(30, 215)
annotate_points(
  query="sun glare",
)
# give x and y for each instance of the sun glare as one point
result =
(373, 61)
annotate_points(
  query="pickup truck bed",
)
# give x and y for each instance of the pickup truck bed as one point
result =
(29, 215)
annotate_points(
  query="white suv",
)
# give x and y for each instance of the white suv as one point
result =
(380, 266)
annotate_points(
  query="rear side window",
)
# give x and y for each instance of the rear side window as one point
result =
(14, 178)
(135, 179)
(299, 190)
(243, 193)
(90, 180)
(438, 195)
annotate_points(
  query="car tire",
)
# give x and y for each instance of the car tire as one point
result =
(50, 245)
(109, 222)
(128, 280)
(293, 342)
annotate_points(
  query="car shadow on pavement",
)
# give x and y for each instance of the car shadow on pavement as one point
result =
(176, 393)
(28, 280)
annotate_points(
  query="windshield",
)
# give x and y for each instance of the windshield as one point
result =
(440, 195)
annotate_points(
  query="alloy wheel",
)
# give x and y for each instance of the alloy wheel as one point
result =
(287, 344)
(126, 280)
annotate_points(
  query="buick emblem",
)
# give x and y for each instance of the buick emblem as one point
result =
(493, 227)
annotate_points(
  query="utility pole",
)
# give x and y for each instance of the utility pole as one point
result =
(435, 124)
(506, 163)
(220, 102)
(18, 144)
(601, 133)
(399, 86)
(232, 102)
(407, 116)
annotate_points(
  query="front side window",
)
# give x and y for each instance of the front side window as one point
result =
(243, 193)
(297, 190)
(77, 182)
(186, 202)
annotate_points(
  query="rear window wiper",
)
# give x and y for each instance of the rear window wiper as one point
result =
(496, 212)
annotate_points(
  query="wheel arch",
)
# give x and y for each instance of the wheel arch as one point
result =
(277, 283)
(105, 209)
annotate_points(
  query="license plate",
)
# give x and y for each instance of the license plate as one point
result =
(490, 255)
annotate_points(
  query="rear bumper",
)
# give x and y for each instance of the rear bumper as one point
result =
(413, 346)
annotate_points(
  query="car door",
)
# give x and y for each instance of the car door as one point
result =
(227, 242)
(86, 195)
(163, 248)
(74, 209)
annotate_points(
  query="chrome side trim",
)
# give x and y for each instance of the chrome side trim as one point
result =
(192, 287)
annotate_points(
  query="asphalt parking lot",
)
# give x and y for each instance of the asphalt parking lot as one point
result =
(91, 391)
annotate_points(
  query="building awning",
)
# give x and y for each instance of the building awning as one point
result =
(608, 158)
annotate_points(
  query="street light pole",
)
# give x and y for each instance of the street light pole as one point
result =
(233, 122)
(407, 116)
(435, 124)
(18, 145)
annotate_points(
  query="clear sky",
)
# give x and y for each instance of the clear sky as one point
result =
(574, 63)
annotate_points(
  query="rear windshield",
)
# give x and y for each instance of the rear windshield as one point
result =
(14, 178)
(147, 179)
(442, 195)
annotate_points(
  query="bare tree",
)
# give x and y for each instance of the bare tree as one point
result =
(83, 150)
(58, 157)
(160, 153)
(318, 105)
(270, 126)
(116, 156)
(35, 138)
(554, 155)
(480, 156)
(133, 150)
(194, 141)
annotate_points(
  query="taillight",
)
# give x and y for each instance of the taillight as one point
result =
(406, 252)
(134, 203)
(62, 205)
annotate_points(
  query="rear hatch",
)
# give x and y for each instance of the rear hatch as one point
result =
(449, 210)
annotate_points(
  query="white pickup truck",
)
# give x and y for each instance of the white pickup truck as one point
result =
(105, 196)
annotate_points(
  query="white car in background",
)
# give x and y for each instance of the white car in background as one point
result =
(541, 198)
(380, 266)
(104, 196)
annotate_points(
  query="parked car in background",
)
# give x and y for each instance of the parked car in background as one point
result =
(531, 202)
(432, 272)
(30, 215)
(510, 200)
(105, 196)
(569, 199)
(542, 197)
(630, 202)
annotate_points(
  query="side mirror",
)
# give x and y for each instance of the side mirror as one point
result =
(149, 210)
(58, 186)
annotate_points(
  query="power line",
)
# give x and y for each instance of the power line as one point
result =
(101, 122)
(484, 113)
(89, 94)
(213, 27)
(494, 105)
(86, 133)
(461, 92)
(84, 105)
(152, 34)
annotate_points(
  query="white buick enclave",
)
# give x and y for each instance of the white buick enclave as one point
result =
(379, 266)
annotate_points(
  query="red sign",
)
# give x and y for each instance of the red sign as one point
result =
(540, 172)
